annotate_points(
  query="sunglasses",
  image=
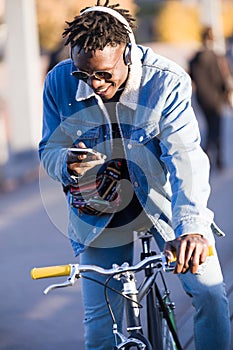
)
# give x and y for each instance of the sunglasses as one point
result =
(99, 75)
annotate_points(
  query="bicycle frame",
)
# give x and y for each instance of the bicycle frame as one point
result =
(156, 304)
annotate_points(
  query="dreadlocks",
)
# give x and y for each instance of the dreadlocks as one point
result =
(97, 31)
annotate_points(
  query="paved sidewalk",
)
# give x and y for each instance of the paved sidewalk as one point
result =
(21, 168)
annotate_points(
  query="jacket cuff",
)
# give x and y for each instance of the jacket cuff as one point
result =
(194, 226)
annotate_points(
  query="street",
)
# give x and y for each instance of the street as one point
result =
(33, 221)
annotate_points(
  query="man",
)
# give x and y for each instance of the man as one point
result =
(133, 106)
(212, 88)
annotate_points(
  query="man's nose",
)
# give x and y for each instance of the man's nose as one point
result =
(94, 82)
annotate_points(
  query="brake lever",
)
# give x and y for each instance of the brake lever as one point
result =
(167, 265)
(74, 275)
(58, 285)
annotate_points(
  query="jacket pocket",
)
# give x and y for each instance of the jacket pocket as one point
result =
(143, 134)
(143, 148)
(80, 130)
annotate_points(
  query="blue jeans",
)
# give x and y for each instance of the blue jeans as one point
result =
(211, 319)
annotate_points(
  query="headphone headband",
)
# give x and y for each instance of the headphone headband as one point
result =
(115, 14)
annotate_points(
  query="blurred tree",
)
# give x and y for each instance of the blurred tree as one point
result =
(147, 12)
(227, 16)
(177, 22)
(52, 15)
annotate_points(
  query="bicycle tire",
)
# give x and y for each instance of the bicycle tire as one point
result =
(161, 322)
(154, 321)
(168, 342)
(169, 339)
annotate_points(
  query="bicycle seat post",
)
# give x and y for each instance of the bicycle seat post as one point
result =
(146, 247)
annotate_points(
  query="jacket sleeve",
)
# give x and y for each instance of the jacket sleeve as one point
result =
(54, 143)
(187, 164)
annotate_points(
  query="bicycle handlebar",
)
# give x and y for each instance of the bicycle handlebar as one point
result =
(67, 270)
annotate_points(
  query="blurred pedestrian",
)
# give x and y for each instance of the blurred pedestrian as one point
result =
(229, 52)
(211, 81)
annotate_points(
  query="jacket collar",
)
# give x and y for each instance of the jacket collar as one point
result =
(130, 95)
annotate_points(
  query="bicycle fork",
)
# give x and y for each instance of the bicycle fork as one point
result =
(132, 308)
(133, 322)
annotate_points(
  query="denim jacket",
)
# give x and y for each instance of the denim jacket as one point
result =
(168, 169)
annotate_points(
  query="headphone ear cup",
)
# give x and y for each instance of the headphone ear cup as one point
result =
(127, 55)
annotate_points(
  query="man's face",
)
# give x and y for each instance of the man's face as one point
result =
(105, 69)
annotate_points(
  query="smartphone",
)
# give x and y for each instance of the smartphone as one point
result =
(73, 152)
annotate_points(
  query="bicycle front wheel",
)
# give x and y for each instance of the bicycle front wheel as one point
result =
(169, 338)
(168, 342)
(161, 322)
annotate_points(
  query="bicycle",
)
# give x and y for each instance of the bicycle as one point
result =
(161, 325)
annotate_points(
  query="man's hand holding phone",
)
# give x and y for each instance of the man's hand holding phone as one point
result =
(81, 159)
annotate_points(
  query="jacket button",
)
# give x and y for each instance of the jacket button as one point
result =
(141, 138)
(129, 146)
(79, 132)
(136, 184)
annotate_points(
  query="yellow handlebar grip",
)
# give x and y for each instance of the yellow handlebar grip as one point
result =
(210, 253)
(50, 271)
(210, 250)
